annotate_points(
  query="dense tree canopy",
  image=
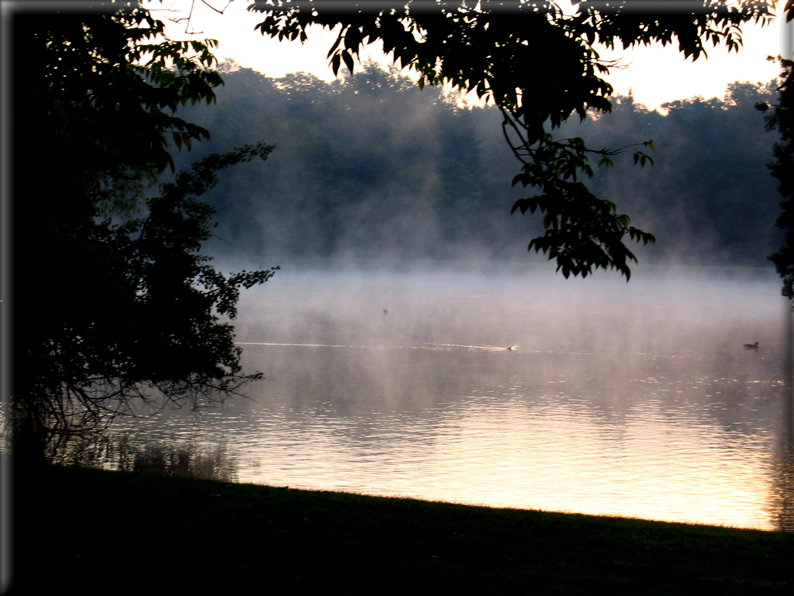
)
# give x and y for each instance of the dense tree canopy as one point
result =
(782, 119)
(370, 166)
(113, 299)
(540, 66)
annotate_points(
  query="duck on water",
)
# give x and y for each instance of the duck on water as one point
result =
(751, 346)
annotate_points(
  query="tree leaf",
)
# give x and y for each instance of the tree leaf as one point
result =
(348, 60)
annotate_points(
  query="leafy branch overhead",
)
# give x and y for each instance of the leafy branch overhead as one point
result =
(582, 231)
(540, 66)
(117, 72)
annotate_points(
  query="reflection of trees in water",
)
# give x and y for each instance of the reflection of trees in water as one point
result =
(783, 501)
(185, 459)
(5, 438)
(783, 513)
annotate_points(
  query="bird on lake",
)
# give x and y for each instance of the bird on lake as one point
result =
(385, 312)
(512, 348)
(751, 346)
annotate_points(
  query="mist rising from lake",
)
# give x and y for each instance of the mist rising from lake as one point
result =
(631, 399)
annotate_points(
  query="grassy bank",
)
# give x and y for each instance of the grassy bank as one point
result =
(114, 533)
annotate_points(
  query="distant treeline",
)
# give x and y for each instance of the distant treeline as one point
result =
(370, 166)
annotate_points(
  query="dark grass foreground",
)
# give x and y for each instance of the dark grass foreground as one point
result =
(93, 532)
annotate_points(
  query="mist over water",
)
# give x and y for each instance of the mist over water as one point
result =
(633, 399)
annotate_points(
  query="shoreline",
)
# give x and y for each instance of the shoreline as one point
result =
(123, 532)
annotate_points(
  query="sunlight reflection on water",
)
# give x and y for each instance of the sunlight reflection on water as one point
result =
(623, 400)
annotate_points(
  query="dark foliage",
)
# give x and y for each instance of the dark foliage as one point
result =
(782, 119)
(540, 67)
(369, 166)
(113, 300)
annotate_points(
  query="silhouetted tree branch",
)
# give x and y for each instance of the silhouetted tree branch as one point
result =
(540, 66)
(115, 303)
(781, 118)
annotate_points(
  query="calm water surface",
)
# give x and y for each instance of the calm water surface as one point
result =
(623, 399)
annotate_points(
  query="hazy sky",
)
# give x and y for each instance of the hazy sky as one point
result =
(655, 74)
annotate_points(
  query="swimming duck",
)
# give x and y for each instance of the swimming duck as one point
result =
(751, 346)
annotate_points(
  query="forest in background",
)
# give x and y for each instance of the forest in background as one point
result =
(370, 166)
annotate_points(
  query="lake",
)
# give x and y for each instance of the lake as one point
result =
(633, 399)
